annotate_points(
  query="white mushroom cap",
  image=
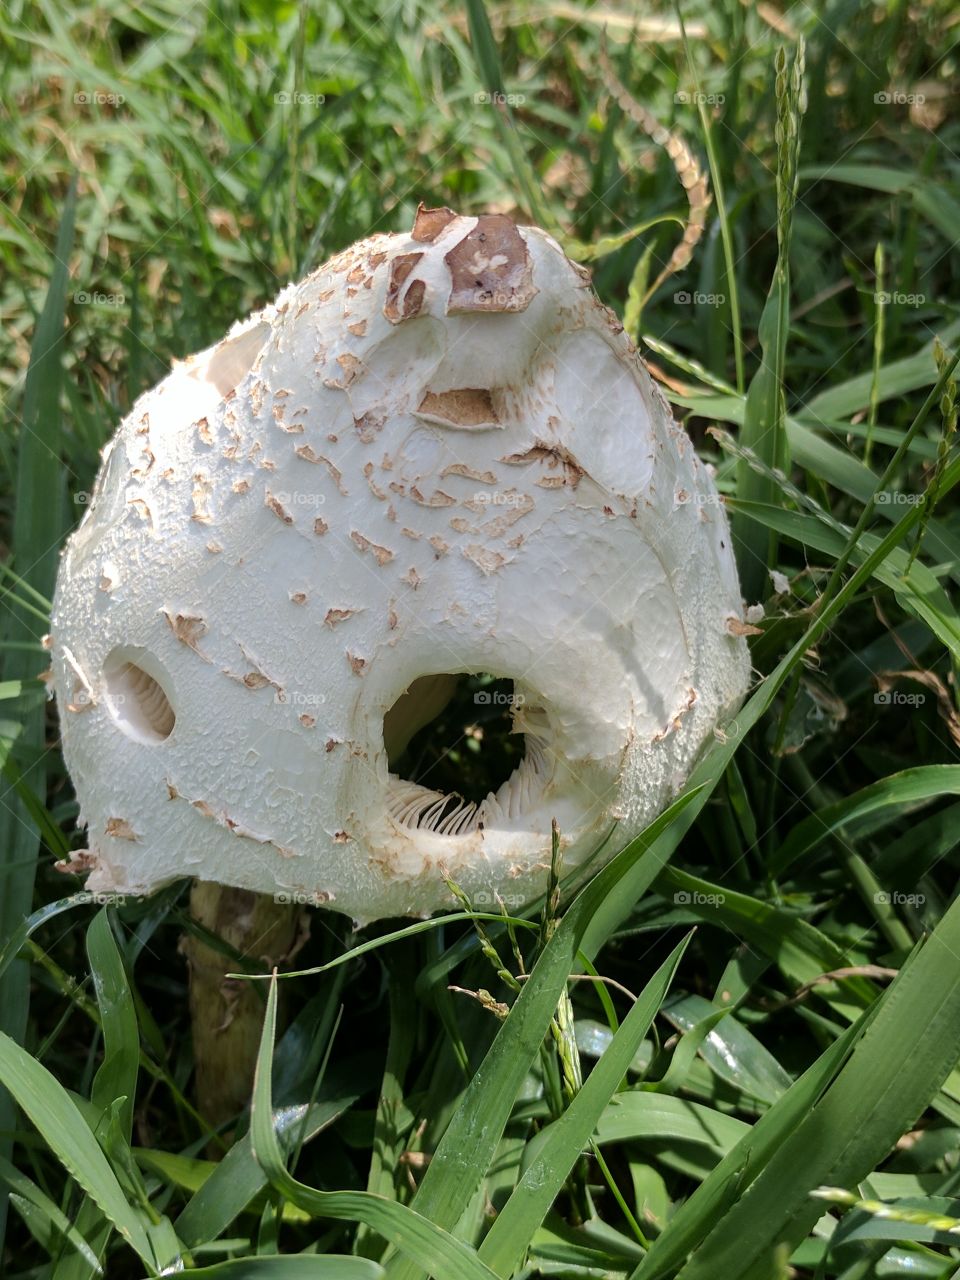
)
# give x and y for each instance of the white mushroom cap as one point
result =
(437, 454)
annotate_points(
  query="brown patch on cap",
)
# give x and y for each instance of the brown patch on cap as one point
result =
(400, 269)
(567, 470)
(277, 507)
(357, 665)
(78, 862)
(368, 424)
(486, 560)
(585, 274)
(308, 454)
(335, 616)
(257, 680)
(610, 317)
(469, 473)
(351, 366)
(437, 499)
(737, 628)
(151, 457)
(141, 508)
(490, 269)
(188, 629)
(120, 829)
(428, 223)
(256, 677)
(460, 407)
(374, 487)
(320, 526)
(383, 554)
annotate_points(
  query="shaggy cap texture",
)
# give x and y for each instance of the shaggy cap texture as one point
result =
(437, 454)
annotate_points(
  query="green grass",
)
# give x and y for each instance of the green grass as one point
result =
(592, 1089)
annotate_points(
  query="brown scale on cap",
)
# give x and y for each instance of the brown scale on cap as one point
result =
(400, 269)
(428, 223)
(490, 269)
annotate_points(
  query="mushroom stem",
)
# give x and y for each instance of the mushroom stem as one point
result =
(226, 1014)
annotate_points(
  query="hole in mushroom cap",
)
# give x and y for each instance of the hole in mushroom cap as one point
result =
(232, 359)
(136, 697)
(463, 751)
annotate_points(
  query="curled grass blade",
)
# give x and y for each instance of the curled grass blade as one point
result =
(443, 1256)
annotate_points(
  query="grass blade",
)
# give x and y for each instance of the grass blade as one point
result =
(897, 792)
(895, 1069)
(697, 1215)
(37, 530)
(564, 1140)
(764, 422)
(55, 1223)
(56, 1116)
(329, 1267)
(237, 1179)
(117, 1077)
(491, 74)
(444, 1257)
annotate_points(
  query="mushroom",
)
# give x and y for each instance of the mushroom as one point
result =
(438, 454)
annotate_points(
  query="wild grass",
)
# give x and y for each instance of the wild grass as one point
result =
(590, 1088)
